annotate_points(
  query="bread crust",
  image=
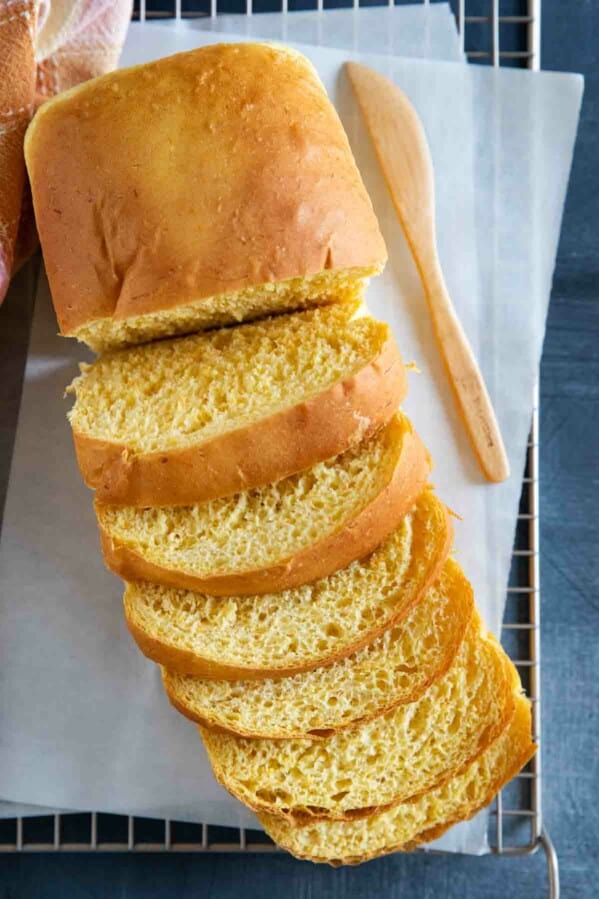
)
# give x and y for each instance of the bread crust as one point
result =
(355, 540)
(260, 453)
(524, 751)
(461, 614)
(305, 815)
(194, 176)
(187, 662)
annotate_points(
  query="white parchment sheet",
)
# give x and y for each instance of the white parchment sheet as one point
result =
(83, 721)
(425, 31)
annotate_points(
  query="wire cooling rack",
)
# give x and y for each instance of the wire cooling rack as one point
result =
(512, 38)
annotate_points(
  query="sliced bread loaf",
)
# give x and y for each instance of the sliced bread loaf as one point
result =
(278, 536)
(277, 634)
(392, 758)
(396, 669)
(187, 420)
(195, 191)
(409, 824)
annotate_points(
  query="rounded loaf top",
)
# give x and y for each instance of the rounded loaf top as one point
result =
(197, 183)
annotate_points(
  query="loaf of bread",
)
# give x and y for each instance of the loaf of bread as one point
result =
(205, 227)
(279, 536)
(187, 420)
(395, 669)
(396, 756)
(276, 634)
(199, 190)
(410, 824)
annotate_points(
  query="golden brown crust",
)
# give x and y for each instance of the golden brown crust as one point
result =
(260, 453)
(193, 176)
(523, 750)
(187, 662)
(355, 540)
(461, 613)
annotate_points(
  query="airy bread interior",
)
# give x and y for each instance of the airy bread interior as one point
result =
(410, 823)
(177, 393)
(395, 669)
(263, 527)
(271, 298)
(394, 757)
(297, 629)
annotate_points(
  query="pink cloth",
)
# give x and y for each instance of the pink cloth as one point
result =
(46, 46)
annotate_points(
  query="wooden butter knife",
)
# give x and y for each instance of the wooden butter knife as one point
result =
(402, 150)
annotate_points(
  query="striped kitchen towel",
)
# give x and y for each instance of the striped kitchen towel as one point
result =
(46, 46)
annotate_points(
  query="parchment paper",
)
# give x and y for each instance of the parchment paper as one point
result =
(427, 31)
(83, 720)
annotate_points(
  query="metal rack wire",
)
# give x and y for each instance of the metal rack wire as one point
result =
(516, 826)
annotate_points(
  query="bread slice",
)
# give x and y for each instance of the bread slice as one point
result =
(396, 669)
(202, 189)
(394, 757)
(277, 634)
(279, 536)
(188, 420)
(410, 824)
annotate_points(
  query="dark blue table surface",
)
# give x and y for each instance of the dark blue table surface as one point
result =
(570, 631)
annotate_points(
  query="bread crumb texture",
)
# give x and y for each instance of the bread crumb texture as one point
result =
(177, 393)
(411, 823)
(265, 526)
(396, 756)
(231, 307)
(395, 669)
(305, 625)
